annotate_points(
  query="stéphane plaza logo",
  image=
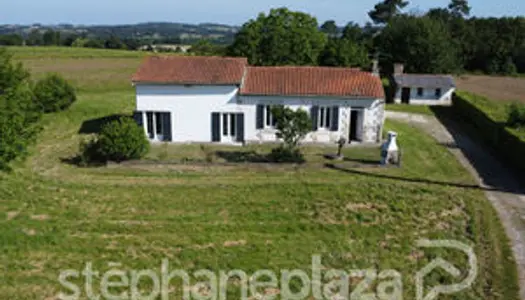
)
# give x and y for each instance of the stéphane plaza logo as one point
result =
(319, 282)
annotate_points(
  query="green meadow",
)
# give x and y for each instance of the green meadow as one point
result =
(205, 212)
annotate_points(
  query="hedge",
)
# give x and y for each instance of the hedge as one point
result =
(488, 118)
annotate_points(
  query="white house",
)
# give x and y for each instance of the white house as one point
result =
(423, 89)
(223, 100)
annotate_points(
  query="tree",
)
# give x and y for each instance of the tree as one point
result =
(330, 28)
(53, 93)
(352, 31)
(18, 114)
(114, 42)
(292, 125)
(459, 8)
(282, 37)
(11, 40)
(384, 11)
(344, 53)
(122, 140)
(423, 44)
(51, 38)
(34, 38)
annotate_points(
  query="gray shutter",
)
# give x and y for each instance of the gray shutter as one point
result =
(259, 117)
(314, 115)
(335, 119)
(240, 128)
(215, 127)
(137, 116)
(167, 122)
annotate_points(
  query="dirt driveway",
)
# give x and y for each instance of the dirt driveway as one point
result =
(502, 187)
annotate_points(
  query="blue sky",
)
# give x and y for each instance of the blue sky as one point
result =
(233, 12)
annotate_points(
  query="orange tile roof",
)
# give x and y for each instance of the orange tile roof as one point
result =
(191, 70)
(270, 81)
(311, 81)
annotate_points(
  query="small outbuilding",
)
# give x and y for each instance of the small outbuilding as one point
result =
(423, 89)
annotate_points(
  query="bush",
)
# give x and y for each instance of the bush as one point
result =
(516, 115)
(286, 155)
(121, 140)
(53, 93)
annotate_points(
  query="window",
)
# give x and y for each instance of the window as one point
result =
(420, 92)
(269, 120)
(225, 124)
(325, 117)
(158, 126)
(438, 93)
(228, 124)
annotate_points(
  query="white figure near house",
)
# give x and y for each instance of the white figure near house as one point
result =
(390, 154)
(423, 89)
(223, 100)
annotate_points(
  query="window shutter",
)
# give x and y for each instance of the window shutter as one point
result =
(240, 128)
(314, 114)
(137, 116)
(215, 127)
(259, 117)
(167, 123)
(335, 119)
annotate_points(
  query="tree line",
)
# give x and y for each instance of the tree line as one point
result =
(441, 40)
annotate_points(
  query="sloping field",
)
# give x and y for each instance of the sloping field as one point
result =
(494, 87)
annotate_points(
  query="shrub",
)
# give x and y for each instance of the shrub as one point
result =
(122, 140)
(53, 93)
(516, 115)
(286, 155)
(292, 125)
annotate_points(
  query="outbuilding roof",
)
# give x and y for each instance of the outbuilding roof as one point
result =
(191, 70)
(424, 80)
(267, 81)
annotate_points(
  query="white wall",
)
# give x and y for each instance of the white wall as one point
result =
(191, 109)
(429, 96)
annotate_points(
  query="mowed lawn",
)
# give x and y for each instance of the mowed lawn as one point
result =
(58, 216)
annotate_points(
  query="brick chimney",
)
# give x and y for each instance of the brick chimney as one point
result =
(399, 69)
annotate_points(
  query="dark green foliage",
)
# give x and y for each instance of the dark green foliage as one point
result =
(121, 140)
(51, 38)
(344, 53)
(516, 115)
(459, 7)
(18, 114)
(286, 155)
(292, 125)
(205, 47)
(53, 93)
(282, 37)
(423, 44)
(384, 11)
(330, 28)
(508, 143)
(11, 40)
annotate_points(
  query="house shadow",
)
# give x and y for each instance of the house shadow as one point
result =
(411, 180)
(360, 161)
(470, 141)
(243, 157)
(95, 125)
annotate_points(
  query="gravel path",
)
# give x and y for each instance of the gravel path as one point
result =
(504, 191)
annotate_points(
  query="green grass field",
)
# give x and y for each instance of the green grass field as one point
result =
(59, 216)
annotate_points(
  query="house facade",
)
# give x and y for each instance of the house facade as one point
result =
(423, 89)
(223, 100)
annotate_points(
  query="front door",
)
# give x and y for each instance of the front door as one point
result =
(354, 124)
(158, 126)
(405, 95)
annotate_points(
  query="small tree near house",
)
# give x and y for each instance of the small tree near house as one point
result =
(292, 127)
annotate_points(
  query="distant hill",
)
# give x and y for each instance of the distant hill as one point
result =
(187, 33)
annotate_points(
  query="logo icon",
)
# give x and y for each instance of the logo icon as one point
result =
(448, 267)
